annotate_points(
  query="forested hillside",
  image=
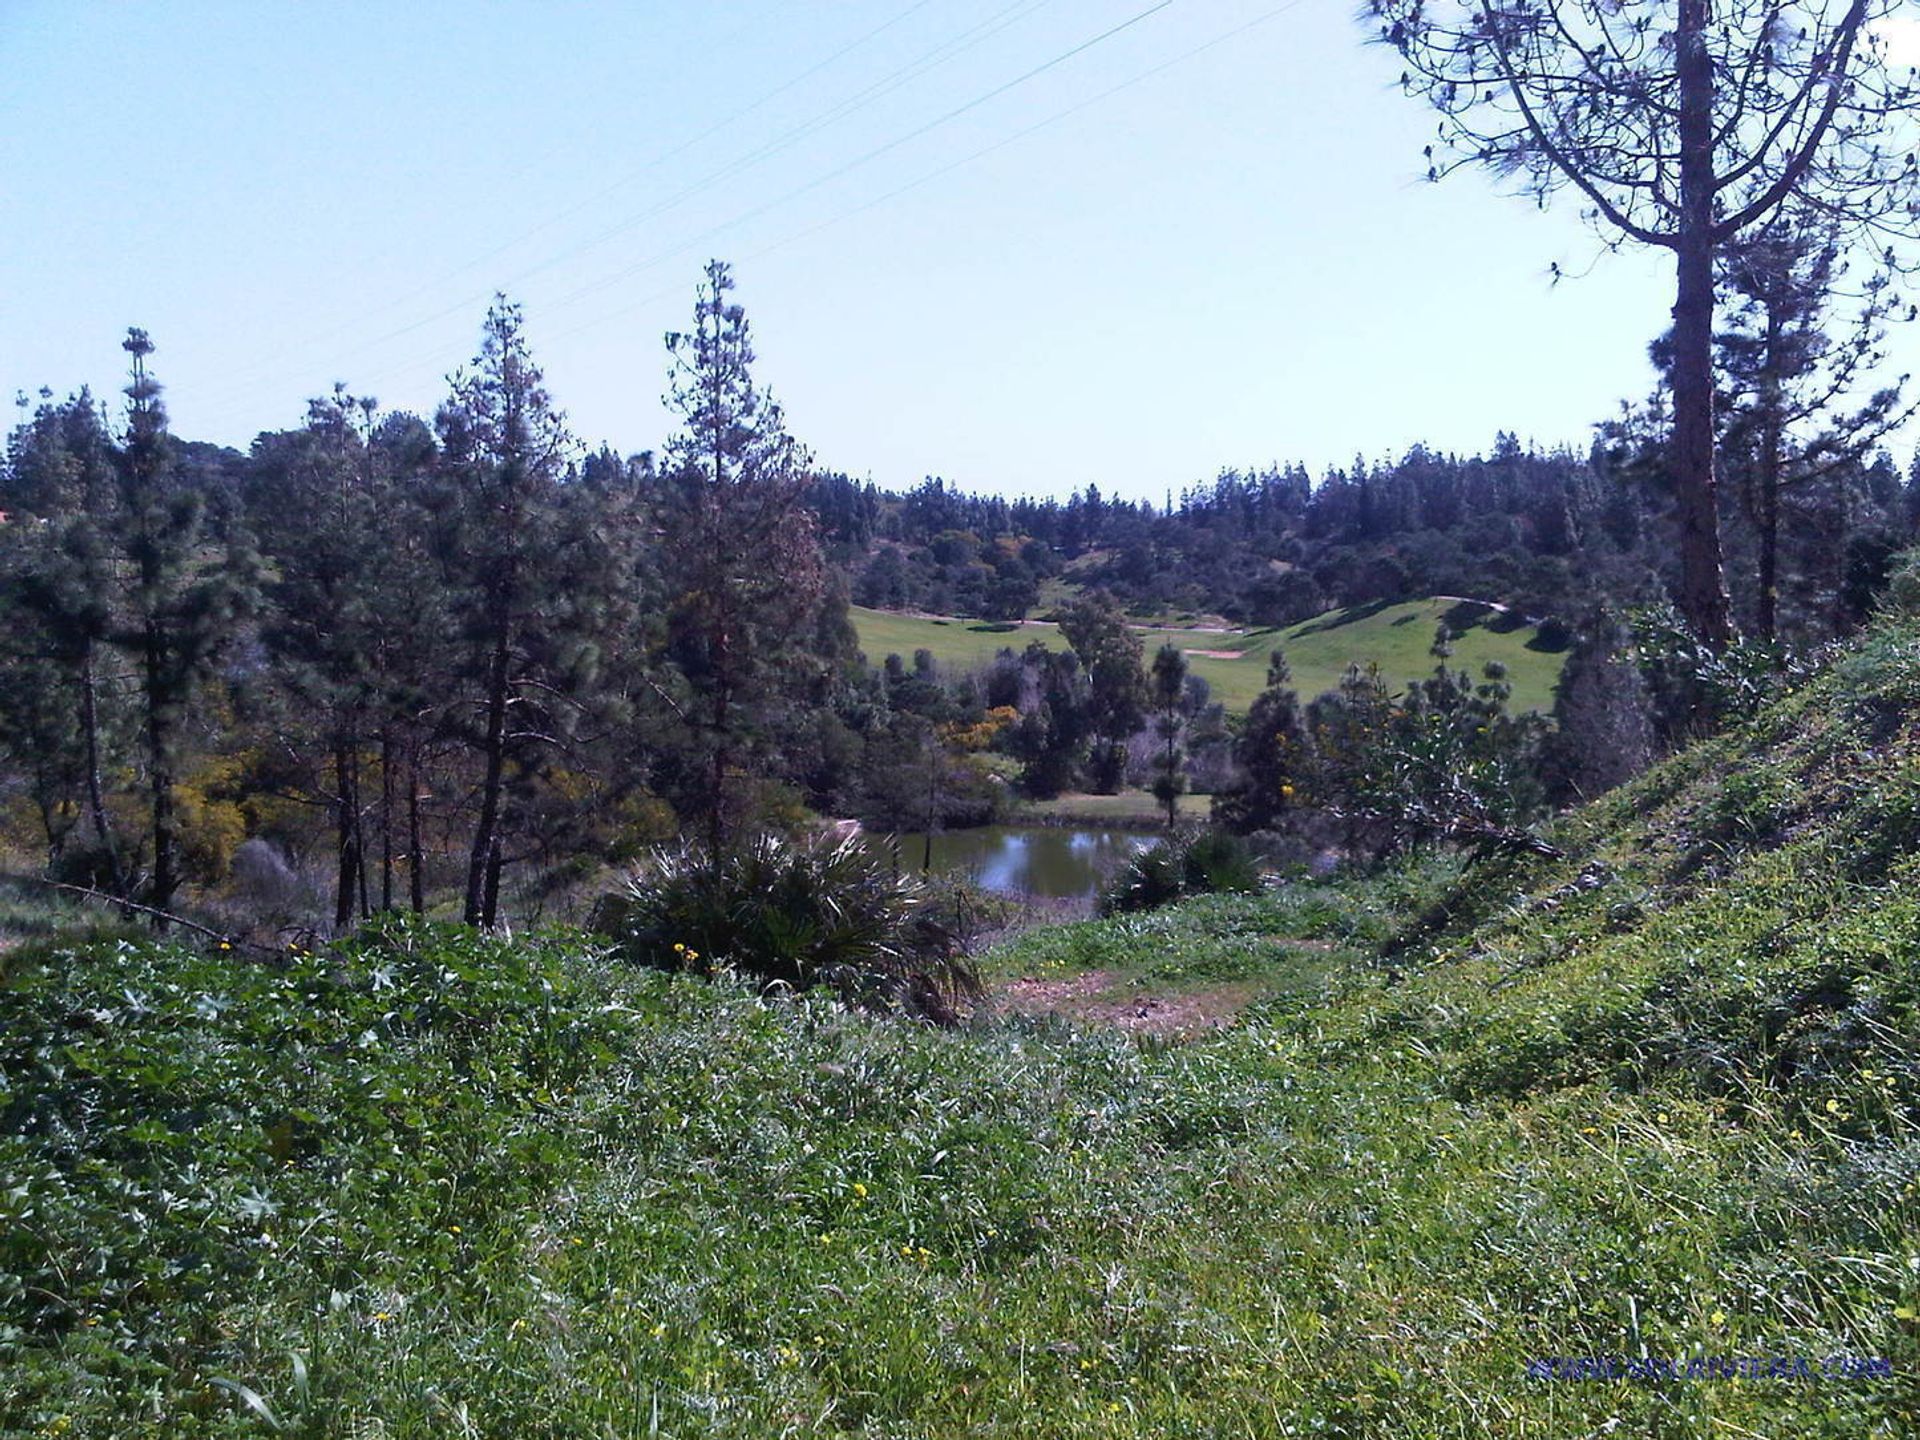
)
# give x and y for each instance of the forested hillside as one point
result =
(1233, 663)
(1551, 534)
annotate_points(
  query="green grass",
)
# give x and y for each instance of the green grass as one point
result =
(1247, 950)
(1398, 637)
(1658, 1097)
(31, 912)
(1129, 807)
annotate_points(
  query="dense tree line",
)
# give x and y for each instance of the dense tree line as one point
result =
(439, 653)
(1550, 533)
(463, 655)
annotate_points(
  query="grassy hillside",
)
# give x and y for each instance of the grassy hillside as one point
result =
(1398, 637)
(1653, 1102)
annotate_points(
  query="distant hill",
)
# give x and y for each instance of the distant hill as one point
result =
(1234, 662)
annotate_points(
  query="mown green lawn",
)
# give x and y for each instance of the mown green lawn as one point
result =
(1396, 637)
(1129, 807)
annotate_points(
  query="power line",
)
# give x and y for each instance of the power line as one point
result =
(965, 160)
(883, 87)
(930, 176)
(834, 174)
(871, 155)
(1194, 52)
(913, 69)
(714, 129)
(627, 179)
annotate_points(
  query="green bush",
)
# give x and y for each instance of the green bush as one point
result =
(1211, 862)
(1901, 600)
(793, 914)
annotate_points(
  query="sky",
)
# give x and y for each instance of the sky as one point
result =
(1025, 245)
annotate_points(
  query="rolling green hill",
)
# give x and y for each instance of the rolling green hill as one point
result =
(1234, 663)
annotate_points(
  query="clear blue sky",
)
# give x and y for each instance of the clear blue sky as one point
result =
(1226, 262)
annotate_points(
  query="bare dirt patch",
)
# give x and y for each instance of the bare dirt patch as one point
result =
(1100, 997)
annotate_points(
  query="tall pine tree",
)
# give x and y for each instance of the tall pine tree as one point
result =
(741, 558)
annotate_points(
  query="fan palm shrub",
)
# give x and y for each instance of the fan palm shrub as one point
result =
(1202, 863)
(793, 914)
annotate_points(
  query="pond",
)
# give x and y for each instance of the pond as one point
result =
(1049, 863)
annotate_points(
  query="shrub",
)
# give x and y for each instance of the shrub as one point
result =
(1207, 863)
(793, 914)
(1901, 599)
(1698, 689)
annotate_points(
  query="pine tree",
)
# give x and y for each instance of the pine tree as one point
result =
(1116, 679)
(1793, 411)
(1603, 726)
(56, 590)
(1273, 756)
(334, 530)
(740, 557)
(1051, 736)
(1685, 125)
(184, 599)
(1169, 688)
(504, 448)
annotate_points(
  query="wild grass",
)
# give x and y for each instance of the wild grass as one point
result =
(1655, 1101)
(566, 1200)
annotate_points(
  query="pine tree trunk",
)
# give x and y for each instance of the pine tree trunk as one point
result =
(416, 854)
(343, 808)
(166, 842)
(1703, 588)
(1173, 799)
(712, 519)
(96, 799)
(486, 832)
(1768, 619)
(717, 775)
(359, 838)
(386, 817)
(49, 827)
(490, 909)
(1842, 523)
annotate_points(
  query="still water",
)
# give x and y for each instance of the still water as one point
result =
(1050, 863)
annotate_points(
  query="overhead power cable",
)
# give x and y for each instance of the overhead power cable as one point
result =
(874, 154)
(920, 65)
(661, 258)
(1056, 117)
(980, 154)
(961, 163)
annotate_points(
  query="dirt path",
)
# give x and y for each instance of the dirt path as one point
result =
(1101, 997)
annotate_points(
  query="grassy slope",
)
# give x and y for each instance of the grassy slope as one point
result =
(1659, 1096)
(1129, 807)
(1398, 637)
